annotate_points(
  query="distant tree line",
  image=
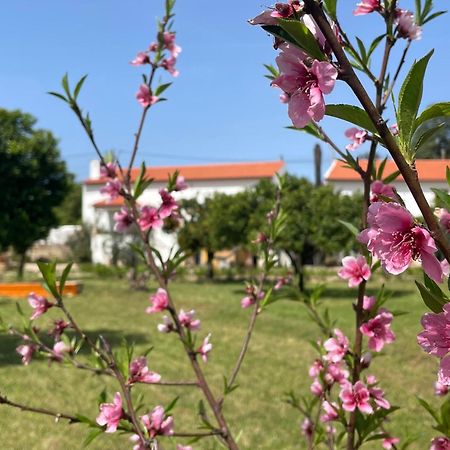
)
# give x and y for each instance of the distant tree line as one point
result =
(312, 230)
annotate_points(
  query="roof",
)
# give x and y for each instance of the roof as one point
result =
(229, 171)
(115, 203)
(428, 170)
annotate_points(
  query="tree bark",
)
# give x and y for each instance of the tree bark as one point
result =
(21, 267)
(210, 266)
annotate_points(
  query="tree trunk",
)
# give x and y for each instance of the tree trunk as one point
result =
(210, 266)
(21, 267)
(297, 262)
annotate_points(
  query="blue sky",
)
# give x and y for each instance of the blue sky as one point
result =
(220, 108)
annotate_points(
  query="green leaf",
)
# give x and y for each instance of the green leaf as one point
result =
(409, 100)
(91, 436)
(432, 301)
(445, 414)
(443, 196)
(48, 271)
(78, 87)
(302, 37)
(330, 6)
(161, 88)
(392, 177)
(350, 227)
(432, 112)
(374, 44)
(60, 96)
(362, 49)
(426, 135)
(171, 405)
(84, 419)
(352, 114)
(65, 274)
(65, 85)
(310, 129)
(433, 16)
(447, 175)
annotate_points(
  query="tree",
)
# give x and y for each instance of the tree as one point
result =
(69, 212)
(312, 231)
(33, 181)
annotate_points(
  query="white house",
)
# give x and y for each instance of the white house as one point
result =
(432, 174)
(203, 181)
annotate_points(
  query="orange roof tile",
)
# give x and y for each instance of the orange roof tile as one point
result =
(229, 171)
(428, 170)
(116, 203)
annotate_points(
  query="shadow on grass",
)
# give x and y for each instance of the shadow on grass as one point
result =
(344, 293)
(8, 343)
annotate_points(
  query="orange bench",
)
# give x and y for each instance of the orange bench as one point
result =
(22, 290)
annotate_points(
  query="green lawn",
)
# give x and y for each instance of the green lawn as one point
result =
(278, 361)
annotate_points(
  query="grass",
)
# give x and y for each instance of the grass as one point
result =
(277, 362)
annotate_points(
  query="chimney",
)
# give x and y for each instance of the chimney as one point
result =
(94, 169)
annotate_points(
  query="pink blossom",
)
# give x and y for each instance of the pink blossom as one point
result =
(444, 371)
(406, 25)
(169, 43)
(160, 301)
(184, 447)
(357, 136)
(440, 443)
(356, 396)
(168, 204)
(378, 330)
(335, 373)
(123, 220)
(59, 326)
(110, 414)
(444, 218)
(145, 97)
(149, 218)
(304, 85)
(205, 348)
(389, 442)
(366, 359)
(366, 7)
(440, 389)
(260, 238)
(316, 368)
(167, 326)
(281, 281)
(247, 301)
(396, 240)
(316, 388)
(112, 189)
(282, 10)
(330, 412)
(58, 350)
(157, 423)
(368, 302)
(186, 319)
(307, 428)
(355, 270)
(394, 129)
(140, 59)
(39, 304)
(265, 18)
(26, 352)
(379, 189)
(140, 373)
(180, 184)
(336, 347)
(377, 394)
(108, 170)
(169, 65)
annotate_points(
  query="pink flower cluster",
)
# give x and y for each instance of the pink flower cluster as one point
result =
(39, 304)
(144, 94)
(160, 301)
(355, 270)
(253, 295)
(379, 190)
(440, 443)
(357, 136)
(367, 6)
(157, 423)
(378, 330)
(110, 414)
(303, 82)
(444, 218)
(435, 340)
(113, 186)
(140, 373)
(395, 239)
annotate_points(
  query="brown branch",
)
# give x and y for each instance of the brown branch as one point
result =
(409, 173)
(57, 415)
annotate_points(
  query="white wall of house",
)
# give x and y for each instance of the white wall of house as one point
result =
(349, 187)
(101, 219)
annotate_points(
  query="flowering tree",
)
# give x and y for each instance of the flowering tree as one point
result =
(348, 407)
